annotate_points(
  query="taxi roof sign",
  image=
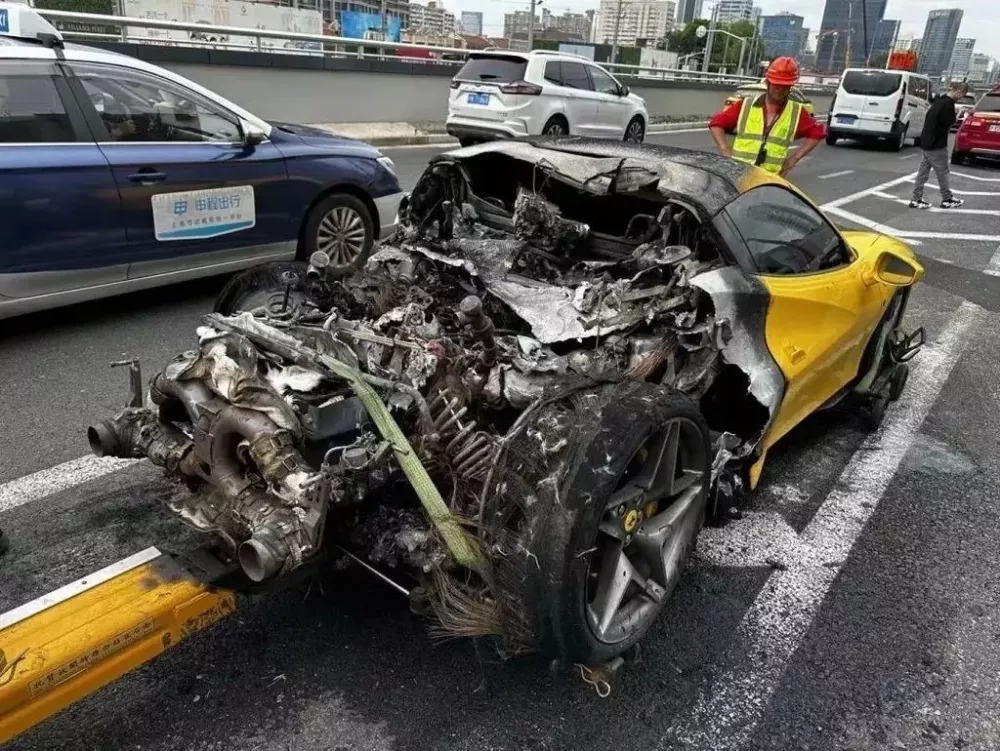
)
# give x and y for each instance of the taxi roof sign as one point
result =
(23, 22)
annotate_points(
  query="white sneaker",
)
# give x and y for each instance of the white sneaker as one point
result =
(954, 203)
(919, 204)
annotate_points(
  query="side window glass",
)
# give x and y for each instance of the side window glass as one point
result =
(137, 107)
(553, 72)
(785, 234)
(603, 83)
(574, 75)
(31, 110)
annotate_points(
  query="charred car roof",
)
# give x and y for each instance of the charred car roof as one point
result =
(707, 180)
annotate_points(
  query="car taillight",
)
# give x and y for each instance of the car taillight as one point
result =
(521, 87)
(975, 122)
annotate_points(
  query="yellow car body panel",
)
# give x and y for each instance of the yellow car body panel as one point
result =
(819, 325)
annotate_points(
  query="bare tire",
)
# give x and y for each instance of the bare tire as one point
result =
(900, 375)
(556, 126)
(873, 413)
(957, 157)
(631, 488)
(275, 287)
(831, 140)
(636, 131)
(341, 226)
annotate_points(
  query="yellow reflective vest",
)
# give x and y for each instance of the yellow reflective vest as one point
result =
(768, 150)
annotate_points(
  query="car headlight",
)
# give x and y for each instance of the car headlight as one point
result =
(388, 164)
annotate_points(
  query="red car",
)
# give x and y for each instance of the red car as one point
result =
(980, 132)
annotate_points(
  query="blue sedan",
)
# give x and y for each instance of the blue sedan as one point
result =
(117, 175)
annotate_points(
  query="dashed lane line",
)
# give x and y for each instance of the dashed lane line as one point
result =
(832, 175)
(739, 690)
(57, 479)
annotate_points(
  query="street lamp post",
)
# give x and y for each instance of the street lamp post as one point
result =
(614, 40)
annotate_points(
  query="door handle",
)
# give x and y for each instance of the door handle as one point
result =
(147, 176)
(912, 104)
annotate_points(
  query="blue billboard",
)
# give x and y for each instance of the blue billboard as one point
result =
(356, 25)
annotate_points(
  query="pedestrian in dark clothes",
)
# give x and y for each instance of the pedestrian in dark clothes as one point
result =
(934, 142)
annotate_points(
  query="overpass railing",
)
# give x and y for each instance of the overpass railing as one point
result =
(288, 42)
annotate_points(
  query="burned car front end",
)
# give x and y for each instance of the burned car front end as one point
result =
(523, 407)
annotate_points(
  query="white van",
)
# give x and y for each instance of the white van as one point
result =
(873, 104)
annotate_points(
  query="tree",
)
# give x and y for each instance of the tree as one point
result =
(686, 42)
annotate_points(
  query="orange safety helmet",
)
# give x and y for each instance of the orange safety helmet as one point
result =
(783, 71)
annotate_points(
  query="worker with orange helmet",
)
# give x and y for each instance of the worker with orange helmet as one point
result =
(766, 126)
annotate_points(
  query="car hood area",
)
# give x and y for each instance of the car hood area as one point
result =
(324, 140)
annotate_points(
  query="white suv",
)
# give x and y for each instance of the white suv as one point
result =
(511, 94)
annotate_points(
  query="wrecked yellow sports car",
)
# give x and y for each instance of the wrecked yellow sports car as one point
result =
(525, 406)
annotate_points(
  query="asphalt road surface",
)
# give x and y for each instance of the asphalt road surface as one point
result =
(853, 607)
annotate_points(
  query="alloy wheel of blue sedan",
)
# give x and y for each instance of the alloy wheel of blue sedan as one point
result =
(342, 236)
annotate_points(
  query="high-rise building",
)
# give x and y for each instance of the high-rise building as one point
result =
(886, 34)
(688, 11)
(472, 22)
(938, 43)
(734, 10)
(842, 37)
(517, 24)
(575, 25)
(961, 58)
(640, 19)
(783, 35)
(431, 19)
(907, 43)
(983, 70)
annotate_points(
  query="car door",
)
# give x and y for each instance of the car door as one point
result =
(822, 311)
(59, 206)
(192, 194)
(581, 102)
(613, 109)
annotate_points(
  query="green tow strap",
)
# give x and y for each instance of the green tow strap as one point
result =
(462, 549)
(461, 546)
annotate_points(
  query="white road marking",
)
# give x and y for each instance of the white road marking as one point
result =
(908, 235)
(57, 479)
(874, 226)
(909, 156)
(993, 269)
(838, 202)
(935, 209)
(961, 192)
(836, 174)
(977, 177)
(736, 697)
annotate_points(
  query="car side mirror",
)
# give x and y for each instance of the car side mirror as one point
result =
(252, 134)
(623, 90)
(896, 270)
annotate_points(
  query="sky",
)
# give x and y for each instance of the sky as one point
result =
(979, 22)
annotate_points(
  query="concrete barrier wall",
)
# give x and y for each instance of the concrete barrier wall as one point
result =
(306, 89)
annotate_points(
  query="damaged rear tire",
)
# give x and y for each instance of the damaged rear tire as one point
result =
(631, 487)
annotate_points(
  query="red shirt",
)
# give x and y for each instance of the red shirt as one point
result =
(809, 127)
